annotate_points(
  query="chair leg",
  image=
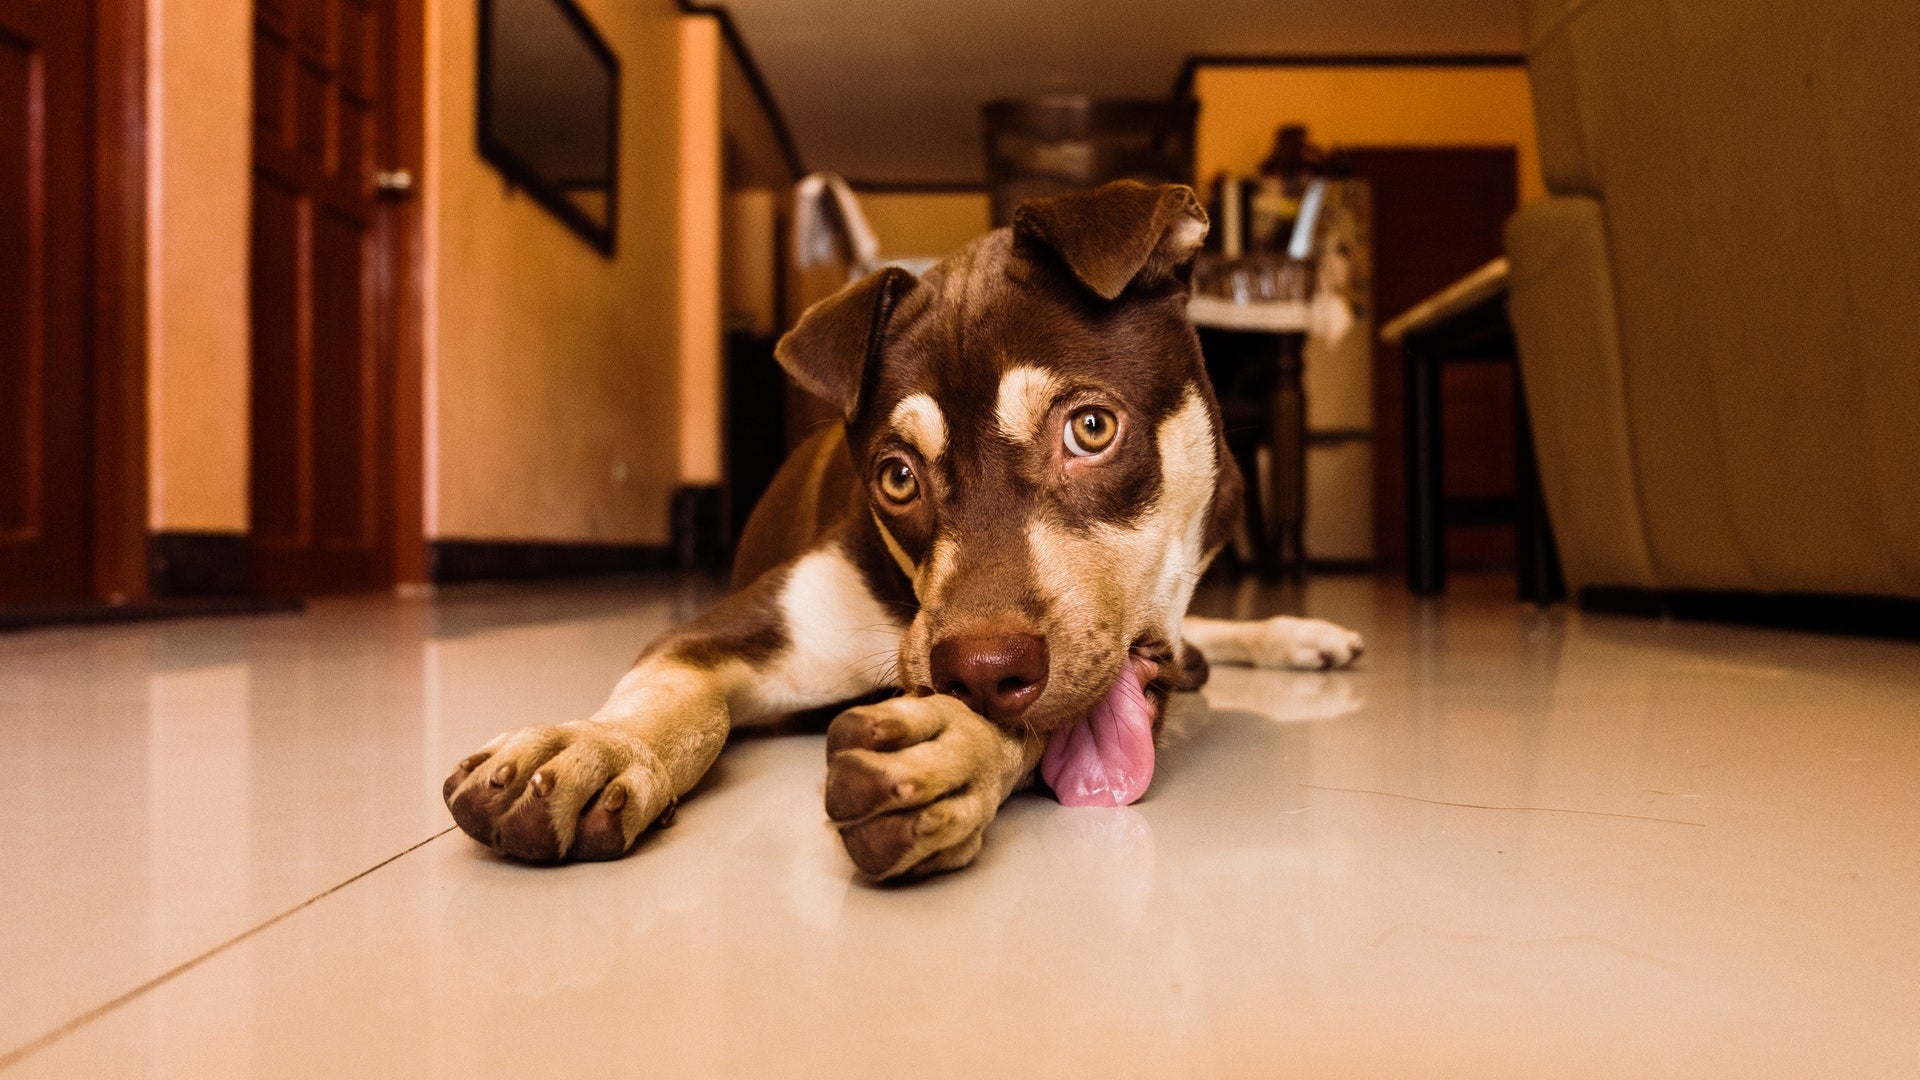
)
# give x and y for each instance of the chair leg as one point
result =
(1426, 535)
(1255, 515)
(1289, 442)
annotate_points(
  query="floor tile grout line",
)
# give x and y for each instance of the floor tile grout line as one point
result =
(20, 1053)
(1485, 806)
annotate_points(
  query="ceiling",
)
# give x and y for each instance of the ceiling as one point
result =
(889, 91)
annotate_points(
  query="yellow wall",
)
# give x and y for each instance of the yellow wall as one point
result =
(916, 224)
(553, 410)
(1362, 106)
(200, 108)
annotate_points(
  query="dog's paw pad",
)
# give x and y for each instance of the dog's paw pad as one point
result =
(909, 785)
(546, 794)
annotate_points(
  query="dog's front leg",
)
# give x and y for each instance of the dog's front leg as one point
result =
(913, 782)
(587, 789)
(807, 635)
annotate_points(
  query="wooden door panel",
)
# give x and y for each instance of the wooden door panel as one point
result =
(272, 98)
(279, 473)
(343, 391)
(313, 93)
(20, 361)
(323, 510)
(358, 50)
(45, 236)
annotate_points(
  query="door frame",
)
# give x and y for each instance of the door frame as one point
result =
(117, 540)
(406, 262)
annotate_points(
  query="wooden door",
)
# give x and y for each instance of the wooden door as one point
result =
(45, 253)
(323, 508)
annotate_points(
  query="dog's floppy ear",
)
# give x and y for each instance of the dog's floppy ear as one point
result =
(830, 350)
(1117, 234)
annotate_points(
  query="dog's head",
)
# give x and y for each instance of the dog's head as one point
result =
(1041, 450)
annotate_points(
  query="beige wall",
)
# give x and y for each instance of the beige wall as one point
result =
(702, 181)
(915, 224)
(749, 274)
(200, 121)
(553, 410)
(1362, 106)
(551, 372)
(755, 158)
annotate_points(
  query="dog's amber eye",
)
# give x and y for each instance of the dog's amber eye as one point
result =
(1090, 431)
(897, 481)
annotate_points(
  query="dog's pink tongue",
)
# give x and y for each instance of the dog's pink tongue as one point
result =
(1106, 759)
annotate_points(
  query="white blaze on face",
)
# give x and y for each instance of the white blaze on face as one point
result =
(937, 572)
(899, 553)
(1113, 583)
(919, 421)
(930, 588)
(1026, 396)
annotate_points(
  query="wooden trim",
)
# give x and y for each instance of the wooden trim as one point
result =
(1874, 616)
(118, 545)
(406, 262)
(1341, 566)
(453, 561)
(919, 187)
(1338, 436)
(197, 564)
(200, 607)
(1183, 82)
(762, 92)
(702, 533)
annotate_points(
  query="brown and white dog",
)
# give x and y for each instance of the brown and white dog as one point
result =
(1006, 532)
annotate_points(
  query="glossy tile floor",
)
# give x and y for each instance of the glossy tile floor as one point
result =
(1508, 844)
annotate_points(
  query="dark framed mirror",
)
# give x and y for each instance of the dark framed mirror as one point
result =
(549, 95)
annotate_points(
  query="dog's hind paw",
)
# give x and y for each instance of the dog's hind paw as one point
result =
(1303, 644)
(913, 782)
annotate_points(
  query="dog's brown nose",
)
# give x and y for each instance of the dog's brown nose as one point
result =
(997, 676)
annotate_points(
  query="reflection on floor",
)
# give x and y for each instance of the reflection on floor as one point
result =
(1508, 844)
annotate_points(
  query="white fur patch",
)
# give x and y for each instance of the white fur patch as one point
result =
(842, 642)
(1026, 396)
(919, 420)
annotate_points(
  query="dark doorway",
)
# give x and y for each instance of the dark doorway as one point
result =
(334, 414)
(1438, 214)
(72, 363)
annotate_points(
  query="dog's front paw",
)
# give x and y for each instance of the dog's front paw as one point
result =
(1304, 644)
(550, 793)
(913, 782)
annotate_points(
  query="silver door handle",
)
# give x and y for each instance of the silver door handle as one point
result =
(393, 181)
